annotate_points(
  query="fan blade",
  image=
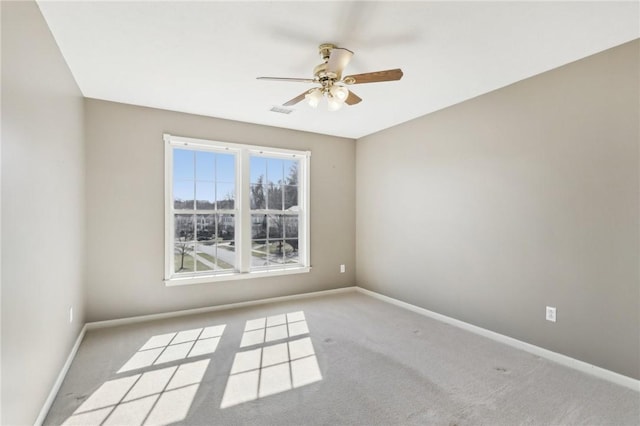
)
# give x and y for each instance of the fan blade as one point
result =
(374, 77)
(338, 60)
(352, 99)
(301, 80)
(296, 99)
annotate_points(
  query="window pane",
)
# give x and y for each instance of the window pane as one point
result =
(183, 257)
(259, 253)
(184, 227)
(258, 226)
(225, 196)
(291, 172)
(266, 252)
(226, 168)
(217, 250)
(257, 197)
(226, 249)
(291, 197)
(206, 227)
(291, 251)
(205, 166)
(205, 195)
(277, 248)
(225, 259)
(225, 255)
(203, 259)
(183, 160)
(275, 227)
(291, 226)
(226, 228)
(276, 251)
(183, 194)
(274, 197)
(216, 258)
(275, 171)
(258, 169)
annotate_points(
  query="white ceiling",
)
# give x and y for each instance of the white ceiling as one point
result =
(204, 57)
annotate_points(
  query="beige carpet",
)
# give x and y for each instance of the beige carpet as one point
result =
(340, 359)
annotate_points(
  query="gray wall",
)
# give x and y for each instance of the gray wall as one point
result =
(42, 212)
(125, 211)
(528, 196)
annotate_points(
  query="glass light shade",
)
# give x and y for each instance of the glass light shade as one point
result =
(333, 103)
(313, 97)
(340, 93)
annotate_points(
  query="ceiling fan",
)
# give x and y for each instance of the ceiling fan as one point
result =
(332, 85)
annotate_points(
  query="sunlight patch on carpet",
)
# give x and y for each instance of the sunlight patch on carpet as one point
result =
(155, 397)
(175, 346)
(269, 370)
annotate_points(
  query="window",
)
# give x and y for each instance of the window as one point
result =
(274, 210)
(234, 211)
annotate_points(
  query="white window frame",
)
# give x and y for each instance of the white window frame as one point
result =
(242, 211)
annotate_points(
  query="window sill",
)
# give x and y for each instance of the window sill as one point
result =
(204, 279)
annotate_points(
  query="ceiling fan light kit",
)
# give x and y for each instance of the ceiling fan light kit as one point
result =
(333, 104)
(313, 97)
(336, 96)
(332, 86)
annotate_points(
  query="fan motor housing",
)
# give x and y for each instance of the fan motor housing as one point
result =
(320, 72)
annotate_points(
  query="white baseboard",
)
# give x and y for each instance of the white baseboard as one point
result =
(567, 361)
(151, 317)
(536, 350)
(63, 372)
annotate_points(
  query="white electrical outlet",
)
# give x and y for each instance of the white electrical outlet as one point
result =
(71, 315)
(551, 314)
(342, 269)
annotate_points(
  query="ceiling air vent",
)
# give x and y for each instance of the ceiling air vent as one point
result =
(281, 110)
